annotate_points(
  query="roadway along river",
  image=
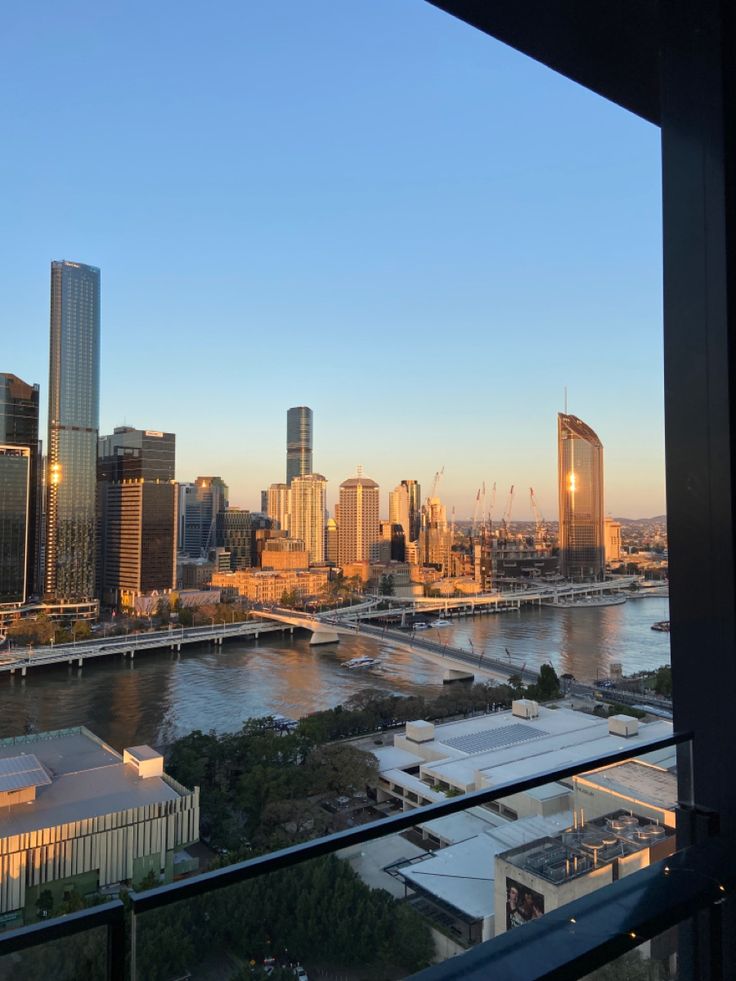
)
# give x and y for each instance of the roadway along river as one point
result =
(161, 697)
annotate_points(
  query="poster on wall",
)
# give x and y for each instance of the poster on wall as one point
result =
(522, 904)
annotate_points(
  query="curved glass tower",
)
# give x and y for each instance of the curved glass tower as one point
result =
(298, 442)
(74, 399)
(580, 488)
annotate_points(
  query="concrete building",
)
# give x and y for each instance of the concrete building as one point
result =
(398, 510)
(331, 539)
(278, 506)
(307, 505)
(265, 586)
(137, 519)
(612, 540)
(233, 532)
(359, 532)
(459, 882)
(74, 409)
(77, 815)
(276, 556)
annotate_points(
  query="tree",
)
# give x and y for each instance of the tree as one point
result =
(386, 585)
(663, 681)
(45, 904)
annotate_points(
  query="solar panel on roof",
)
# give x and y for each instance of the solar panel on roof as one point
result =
(499, 738)
(19, 772)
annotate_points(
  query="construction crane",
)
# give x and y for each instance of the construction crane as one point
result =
(436, 481)
(509, 506)
(539, 527)
(483, 509)
(492, 507)
(475, 513)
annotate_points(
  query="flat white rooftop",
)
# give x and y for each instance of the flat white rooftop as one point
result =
(633, 779)
(499, 747)
(463, 875)
(87, 779)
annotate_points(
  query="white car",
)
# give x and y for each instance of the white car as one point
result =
(300, 973)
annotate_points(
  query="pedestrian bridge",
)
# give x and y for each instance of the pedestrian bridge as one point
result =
(324, 630)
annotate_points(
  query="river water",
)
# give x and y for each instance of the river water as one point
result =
(160, 696)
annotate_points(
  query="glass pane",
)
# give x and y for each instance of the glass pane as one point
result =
(398, 903)
(654, 960)
(79, 958)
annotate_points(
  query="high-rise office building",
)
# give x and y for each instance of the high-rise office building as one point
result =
(415, 509)
(277, 507)
(19, 428)
(580, 489)
(137, 501)
(74, 396)
(201, 502)
(15, 499)
(308, 496)
(359, 531)
(234, 533)
(398, 508)
(298, 442)
(331, 533)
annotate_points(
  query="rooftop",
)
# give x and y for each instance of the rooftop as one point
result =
(87, 779)
(644, 782)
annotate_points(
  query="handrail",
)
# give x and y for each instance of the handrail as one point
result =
(230, 875)
(587, 933)
(110, 914)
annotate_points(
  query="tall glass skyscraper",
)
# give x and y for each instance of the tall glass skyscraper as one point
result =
(74, 398)
(415, 509)
(580, 488)
(19, 429)
(298, 442)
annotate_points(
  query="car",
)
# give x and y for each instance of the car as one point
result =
(300, 973)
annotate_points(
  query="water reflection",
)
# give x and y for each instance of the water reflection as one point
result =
(162, 696)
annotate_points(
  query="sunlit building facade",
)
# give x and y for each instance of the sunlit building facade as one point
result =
(298, 442)
(580, 487)
(359, 527)
(278, 505)
(201, 502)
(308, 498)
(74, 397)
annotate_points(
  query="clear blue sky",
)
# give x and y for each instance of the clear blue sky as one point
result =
(365, 207)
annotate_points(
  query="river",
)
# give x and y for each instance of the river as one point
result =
(160, 696)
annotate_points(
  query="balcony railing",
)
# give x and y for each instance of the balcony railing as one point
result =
(565, 942)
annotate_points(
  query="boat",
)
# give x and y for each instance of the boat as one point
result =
(441, 623)
(360, 662)
(421, 626)
(663, 626)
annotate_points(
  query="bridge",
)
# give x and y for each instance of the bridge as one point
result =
(539, 594)
(324, 630)
(128, 645)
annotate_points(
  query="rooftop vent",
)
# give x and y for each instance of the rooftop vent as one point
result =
(623, 725)
(144, 760)
(525, 708)
(420, 731)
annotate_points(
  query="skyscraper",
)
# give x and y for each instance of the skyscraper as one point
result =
(277, 505)
(359, 529)
(235, 533)
(202, 502)
(580, 488)
(74, 397)
(15, 487)
(308, 496)
(398, 508)
(415, 509)
(298, 442)
(19, 428)
(137, 514)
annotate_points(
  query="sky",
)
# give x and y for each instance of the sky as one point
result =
(364, 206)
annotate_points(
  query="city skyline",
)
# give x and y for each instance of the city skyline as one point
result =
(468, 213)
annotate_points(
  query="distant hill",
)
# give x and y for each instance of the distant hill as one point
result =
(659, 520)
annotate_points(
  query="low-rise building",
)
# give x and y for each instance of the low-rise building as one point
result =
(76, 815)
(264, 586)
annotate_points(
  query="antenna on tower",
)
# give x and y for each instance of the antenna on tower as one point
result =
(360, 469)
(565, 399)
